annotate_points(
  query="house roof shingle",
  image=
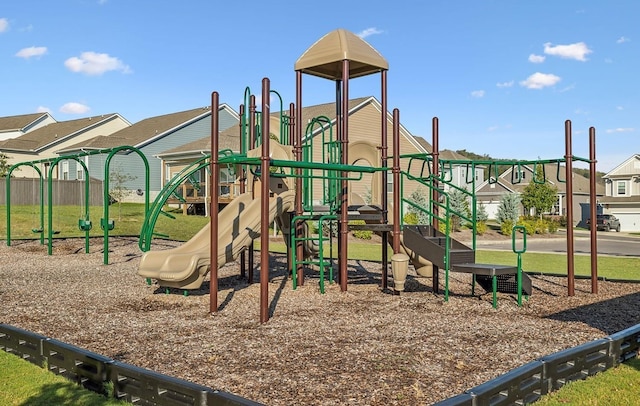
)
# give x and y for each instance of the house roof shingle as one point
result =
(54, 132)
(142, 131)
(12, 123)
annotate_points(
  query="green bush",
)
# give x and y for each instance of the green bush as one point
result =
(553, 226)
(528, 224)
(481, 227)
(506, 227)
(541, 226)
(410, 219)
(361, 234)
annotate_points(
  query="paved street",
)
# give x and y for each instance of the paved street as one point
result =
(609, 243)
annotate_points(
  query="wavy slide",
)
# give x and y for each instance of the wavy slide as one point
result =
(186, 266)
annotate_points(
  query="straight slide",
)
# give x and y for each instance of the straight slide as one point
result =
(186, 266)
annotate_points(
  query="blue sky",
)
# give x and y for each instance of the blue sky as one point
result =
(502, 75)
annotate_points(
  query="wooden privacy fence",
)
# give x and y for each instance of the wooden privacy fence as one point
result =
(26, 191)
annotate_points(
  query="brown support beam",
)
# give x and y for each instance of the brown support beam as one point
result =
(213, 208)
(264, 205)
(435, 152)
(396, 181)
(344, 218)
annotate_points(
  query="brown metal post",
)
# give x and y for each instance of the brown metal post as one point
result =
(569, 208)
(396, 181)
(292, 141)
(243, 186)
(344, 218)
(592, 210)
(435, 196)
(297, 149)
(213, 208)
(264, 205)
(251, 136)
(385, 177)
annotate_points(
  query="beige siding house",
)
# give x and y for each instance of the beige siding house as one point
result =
(622, 193)
(44, 142)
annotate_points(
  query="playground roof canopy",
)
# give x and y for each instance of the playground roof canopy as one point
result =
(324, 58)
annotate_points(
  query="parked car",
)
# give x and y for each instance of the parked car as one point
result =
(606, 222)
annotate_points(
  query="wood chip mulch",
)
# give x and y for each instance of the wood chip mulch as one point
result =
(359, 347)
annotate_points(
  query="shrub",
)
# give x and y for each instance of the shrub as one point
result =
(508, 209)
(330, 228)
(410, 218)
(506, 227)
(481, 227)
(361, 234)
(541, 226)
(528, 224)
(553, 226)
(562, 221)
(481, 213)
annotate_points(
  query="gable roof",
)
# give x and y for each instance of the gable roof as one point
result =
(54, 133)
(18, 123)
(616, 171)
(146, 131)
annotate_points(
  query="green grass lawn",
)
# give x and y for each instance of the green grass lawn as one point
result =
(616, 386)
(22, 383)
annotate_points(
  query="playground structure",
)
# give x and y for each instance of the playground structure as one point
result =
(281, 179)
(280, 185)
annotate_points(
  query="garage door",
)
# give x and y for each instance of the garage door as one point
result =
(628, 221)
(492, 210)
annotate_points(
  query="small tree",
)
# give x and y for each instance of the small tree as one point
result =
(4, 165)
(459, 204)
(481, 213)
(118, 186)
(539, 196)
(509, 209)
(419, 198)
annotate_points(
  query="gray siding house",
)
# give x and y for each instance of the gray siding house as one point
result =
(151, 136)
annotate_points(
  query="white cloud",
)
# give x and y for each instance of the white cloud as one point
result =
(493, 128)
(533, 58)
(540, 80)
(42, 109)
(74, 108)
(95, 64)
(577, 51)
(368, 32)
(620, 130)
(477, 94)
(505, 84)
(622, 40)
(30, 52)
(101, 2)
(4, 24)
(619, 108)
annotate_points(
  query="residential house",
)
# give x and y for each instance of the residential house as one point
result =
(45, 141)
(516, 178)
(15, 126)
(150, 136)
(622, 193)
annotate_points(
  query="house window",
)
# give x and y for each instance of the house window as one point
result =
(80, 172)
(519, 176)
(622, 187)
(65, 170)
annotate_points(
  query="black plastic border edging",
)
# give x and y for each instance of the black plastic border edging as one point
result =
(95, 372)
(527, 383)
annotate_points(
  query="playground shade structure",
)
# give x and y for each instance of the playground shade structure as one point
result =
(186, 266)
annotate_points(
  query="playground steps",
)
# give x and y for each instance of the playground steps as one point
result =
(430, 244)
